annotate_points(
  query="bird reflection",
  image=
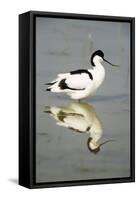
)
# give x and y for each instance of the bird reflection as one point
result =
(82, 118)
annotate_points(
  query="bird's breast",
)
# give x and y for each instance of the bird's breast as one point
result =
(98, 76)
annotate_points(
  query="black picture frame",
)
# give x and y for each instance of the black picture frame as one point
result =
(27, 98)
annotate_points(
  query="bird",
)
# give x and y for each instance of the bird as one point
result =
(81, 83)
(80, 118)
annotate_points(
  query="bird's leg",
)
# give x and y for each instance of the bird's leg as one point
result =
(79, 101)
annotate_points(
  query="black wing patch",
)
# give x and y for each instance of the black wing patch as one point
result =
(50, 83)
(61, 116)
(63, 85)
(80, 71)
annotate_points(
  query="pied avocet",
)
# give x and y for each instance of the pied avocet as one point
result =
(81, 83)
(81, 118)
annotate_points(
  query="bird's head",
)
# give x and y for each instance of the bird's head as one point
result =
(94, 147)
(98, 56)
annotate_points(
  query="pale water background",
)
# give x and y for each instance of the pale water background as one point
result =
(63, 45)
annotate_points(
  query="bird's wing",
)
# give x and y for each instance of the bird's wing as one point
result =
(77, 81)
(76, 122)
(63, 75)
(74, 80)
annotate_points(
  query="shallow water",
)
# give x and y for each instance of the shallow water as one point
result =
(62, 154)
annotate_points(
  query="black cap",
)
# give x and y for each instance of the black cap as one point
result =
(94, 151)
(96, 53)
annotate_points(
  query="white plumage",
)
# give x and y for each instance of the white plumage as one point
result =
(82, 118)
(81, 83)
(79, 117)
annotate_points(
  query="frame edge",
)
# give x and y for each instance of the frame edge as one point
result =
(24, 98)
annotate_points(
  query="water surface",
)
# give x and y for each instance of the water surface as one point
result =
(62, 154)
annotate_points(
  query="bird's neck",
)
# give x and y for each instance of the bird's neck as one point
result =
(98, 74)
(97, 63)
(93, 144)
(99, 69)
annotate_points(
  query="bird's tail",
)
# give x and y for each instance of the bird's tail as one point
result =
(54, 86)
(52, 110)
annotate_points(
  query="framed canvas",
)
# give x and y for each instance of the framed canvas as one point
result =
(76, 99)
